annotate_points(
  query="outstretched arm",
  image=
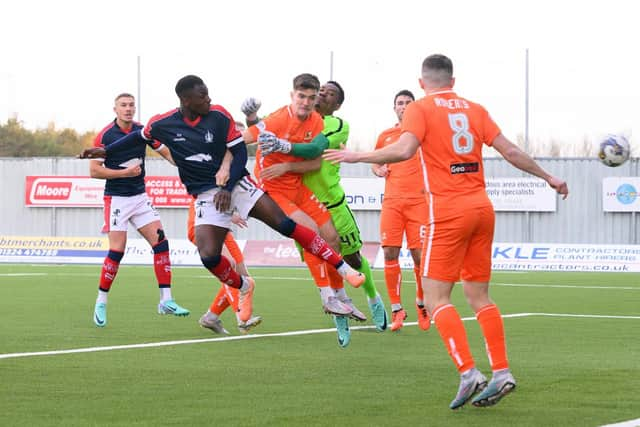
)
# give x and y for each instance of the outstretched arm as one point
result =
(97, 152)
(401, 150)
(518, 158)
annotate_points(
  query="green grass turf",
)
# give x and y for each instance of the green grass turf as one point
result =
(571, 371)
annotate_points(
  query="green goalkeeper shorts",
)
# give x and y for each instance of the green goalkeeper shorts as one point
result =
(345, 223)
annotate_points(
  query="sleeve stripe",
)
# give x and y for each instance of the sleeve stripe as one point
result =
(235, 142)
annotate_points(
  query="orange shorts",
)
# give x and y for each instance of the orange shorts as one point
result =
(403, 216)
(229, 241)
(301, 198)
(458, 243)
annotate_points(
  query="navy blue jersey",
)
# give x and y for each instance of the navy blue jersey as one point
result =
(198, 146)
(122, 158)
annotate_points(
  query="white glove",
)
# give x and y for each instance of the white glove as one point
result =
(250, 106)
(269, 143)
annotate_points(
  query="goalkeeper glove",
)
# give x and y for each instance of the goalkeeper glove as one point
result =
(269, 143)
(250, 106)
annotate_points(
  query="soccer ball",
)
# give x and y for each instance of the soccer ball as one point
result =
(614, 150)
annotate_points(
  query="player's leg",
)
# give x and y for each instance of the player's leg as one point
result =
(267, 211)
(232, 250)
(392, 225)
(110, 266)
(313, 214)
(146, 220)
(211, 228)
(211, 319)
(476, 274)
(350, 245)
(424, 321)
(116, 221)
(415, 231)
(441, 263)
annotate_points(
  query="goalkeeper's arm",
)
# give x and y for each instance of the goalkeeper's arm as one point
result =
(312, 149)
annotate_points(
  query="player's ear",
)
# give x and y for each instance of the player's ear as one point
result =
(453, 81)
(421, 83)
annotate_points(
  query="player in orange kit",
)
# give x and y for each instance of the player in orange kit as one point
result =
(403, 208)
(450, 132)
(277, 175)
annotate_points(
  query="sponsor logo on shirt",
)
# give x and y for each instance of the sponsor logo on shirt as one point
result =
(308, 135)
(208, 137)
(457, 168)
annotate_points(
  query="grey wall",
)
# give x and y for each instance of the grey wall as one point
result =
(579, 219)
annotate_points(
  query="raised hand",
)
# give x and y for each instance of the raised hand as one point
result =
(250, 106)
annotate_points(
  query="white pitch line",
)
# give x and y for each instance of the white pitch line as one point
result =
(630, 423)
(271, 335)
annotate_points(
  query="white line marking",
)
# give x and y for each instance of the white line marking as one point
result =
(630, 423)
(22, 274)
(257, 336)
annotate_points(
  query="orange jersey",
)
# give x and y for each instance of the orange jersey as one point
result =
(404, 180)
(285, 125)
(451, 131)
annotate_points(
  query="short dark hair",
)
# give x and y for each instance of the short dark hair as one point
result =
(438, 63)
(403, 92)
(187, 83)
(124, 95)
(306, 81)
(340, 90)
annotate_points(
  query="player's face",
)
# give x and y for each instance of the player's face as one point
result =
(303, 101)
(198, 101)
(401, 104)
(125, 109)
(327, 102)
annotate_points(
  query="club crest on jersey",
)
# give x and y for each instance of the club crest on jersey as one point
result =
(179, 138)
(208, 137)
(308, 136)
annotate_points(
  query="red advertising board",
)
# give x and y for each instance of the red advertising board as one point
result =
(82, 191)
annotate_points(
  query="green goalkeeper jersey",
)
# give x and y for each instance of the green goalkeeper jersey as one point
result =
(325, 182)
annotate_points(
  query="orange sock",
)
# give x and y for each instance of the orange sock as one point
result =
(419, 291)
(233, 296)
(317, 268)
(454, 336)
(493, 330)
(393, 279)
(220, 302)
(335, 279)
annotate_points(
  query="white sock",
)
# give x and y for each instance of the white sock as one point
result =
(325, 293)
(374, 299)
(102, 296)
(396, 307)
(344, 269)
(245, 284)
(341, 294)
(165, 294)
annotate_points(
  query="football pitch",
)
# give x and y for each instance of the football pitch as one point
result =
(573, 341)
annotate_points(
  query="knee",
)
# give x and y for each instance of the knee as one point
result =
(211, 261)
(286, 227)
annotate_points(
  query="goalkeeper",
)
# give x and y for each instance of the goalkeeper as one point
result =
(323, 178)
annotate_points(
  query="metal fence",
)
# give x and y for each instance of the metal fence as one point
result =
(579, 219)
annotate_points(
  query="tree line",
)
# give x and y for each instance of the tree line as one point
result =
(18, 141)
